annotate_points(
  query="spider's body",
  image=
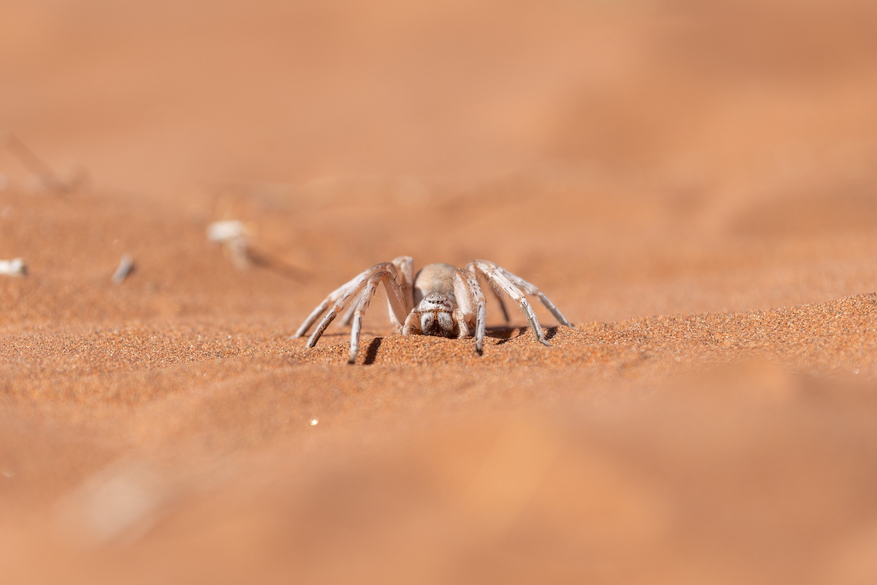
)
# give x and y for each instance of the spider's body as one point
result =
(441, 300)
(435, 300)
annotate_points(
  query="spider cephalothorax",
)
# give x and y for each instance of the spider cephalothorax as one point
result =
(441, 300)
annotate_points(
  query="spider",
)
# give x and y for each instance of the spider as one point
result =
(440, 300)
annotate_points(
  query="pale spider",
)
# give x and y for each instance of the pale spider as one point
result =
(440, 300)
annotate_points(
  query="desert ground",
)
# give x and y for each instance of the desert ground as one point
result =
(693, 183)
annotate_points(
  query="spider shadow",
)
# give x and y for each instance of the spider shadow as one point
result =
(372, 351)
(506, 334)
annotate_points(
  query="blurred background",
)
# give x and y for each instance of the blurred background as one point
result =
(647, 138)
(642, 161)
(160, 97)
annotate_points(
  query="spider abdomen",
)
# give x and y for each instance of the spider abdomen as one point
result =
(434, 278)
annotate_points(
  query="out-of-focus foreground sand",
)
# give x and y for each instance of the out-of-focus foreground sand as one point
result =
(693, 183)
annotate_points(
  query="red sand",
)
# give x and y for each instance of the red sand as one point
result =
(692, 183)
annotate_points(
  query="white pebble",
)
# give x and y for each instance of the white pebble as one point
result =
(14, 267)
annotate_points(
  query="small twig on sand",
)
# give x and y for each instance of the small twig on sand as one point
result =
(126, 266)
(233, 236)
(14, 267)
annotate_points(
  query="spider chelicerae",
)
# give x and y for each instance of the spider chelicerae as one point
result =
(440, 300)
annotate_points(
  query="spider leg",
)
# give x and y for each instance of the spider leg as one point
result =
(321, 308)
(396, 298)
(493, 289)
(404, 273)
(505, 311)
(363, 302)
(532, 290)
(497, 275)
(462, 323)
(347, 317)
(470, 298)
(412, 324)
(338, 298)
(496, 294)
(405, 285)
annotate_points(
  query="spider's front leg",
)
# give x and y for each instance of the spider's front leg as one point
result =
(411, 326)
(461, 323)
(405, 279)
(472, 306)
(362, 305)
(460, 319)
